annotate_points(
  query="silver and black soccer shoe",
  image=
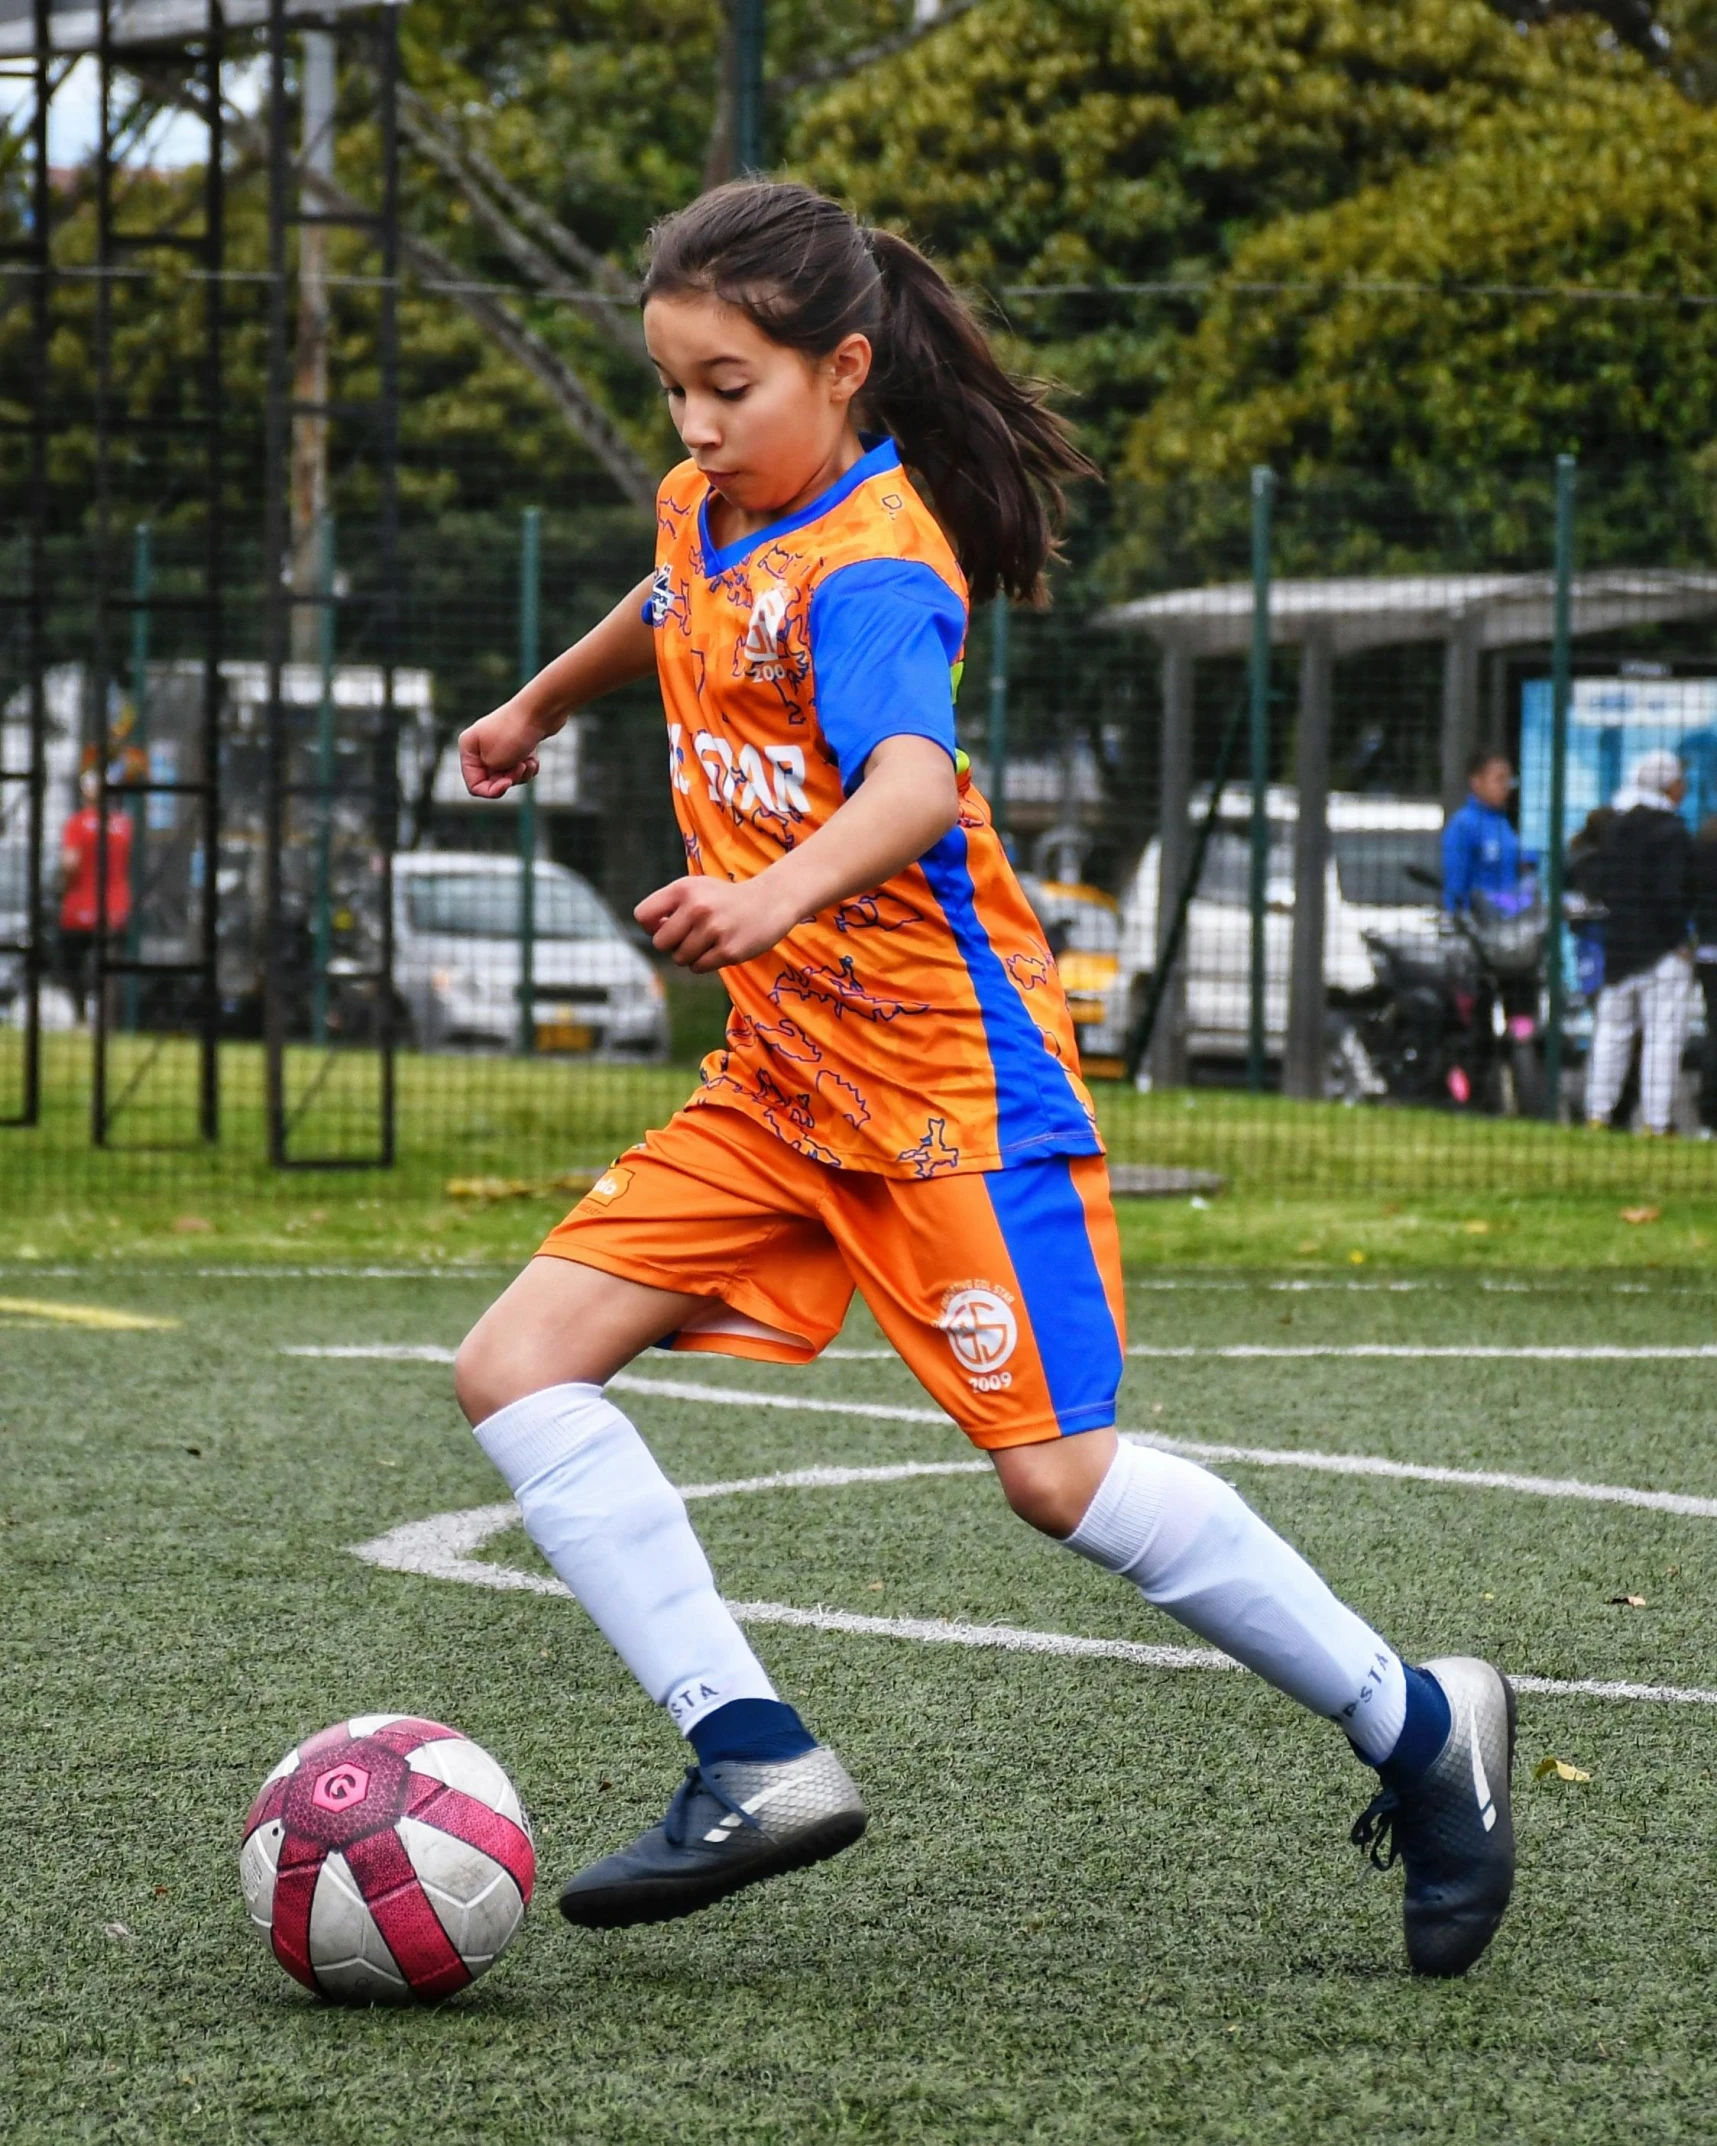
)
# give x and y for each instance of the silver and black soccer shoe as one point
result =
(1452, 1829)
(731, 1824)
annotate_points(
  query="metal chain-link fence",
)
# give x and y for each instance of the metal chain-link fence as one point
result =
(1374, 838)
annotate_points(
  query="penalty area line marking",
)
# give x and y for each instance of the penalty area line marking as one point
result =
(442, 1547)
(1368, 1464)
(94, 1318)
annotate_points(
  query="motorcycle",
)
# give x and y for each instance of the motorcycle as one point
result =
(1453, 1020)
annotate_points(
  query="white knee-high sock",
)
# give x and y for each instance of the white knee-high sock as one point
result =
(614, 1528)
(1194, 1547)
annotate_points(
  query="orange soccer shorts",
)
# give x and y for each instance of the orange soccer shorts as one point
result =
(1002, 1292)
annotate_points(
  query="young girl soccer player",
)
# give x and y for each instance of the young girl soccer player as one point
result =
(898, 1106)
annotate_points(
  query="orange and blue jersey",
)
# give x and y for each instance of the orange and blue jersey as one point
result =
(919, 1029)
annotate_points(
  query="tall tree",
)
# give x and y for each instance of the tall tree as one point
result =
(1203, 152)
(1538, 288)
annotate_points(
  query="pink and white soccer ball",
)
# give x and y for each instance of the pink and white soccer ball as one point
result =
(387, 1859)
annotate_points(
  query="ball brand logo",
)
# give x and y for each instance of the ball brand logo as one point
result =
(979, 1321)
(349, 1788)
(341, 1787)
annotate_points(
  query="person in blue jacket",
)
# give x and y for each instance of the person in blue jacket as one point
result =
(1481, 851)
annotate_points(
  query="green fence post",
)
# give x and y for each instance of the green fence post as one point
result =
(1263, 502)
(1561, 640)
(530, 606)
(142, 581)
(747, 86)
(999, 623)
(323, 920)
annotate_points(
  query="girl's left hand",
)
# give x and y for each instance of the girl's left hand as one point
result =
(709, 924)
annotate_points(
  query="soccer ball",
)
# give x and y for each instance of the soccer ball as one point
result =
(387, 1859)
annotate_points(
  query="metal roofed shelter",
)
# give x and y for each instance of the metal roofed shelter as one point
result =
(1469, 613)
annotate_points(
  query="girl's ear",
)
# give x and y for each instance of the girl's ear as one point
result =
(849, 368)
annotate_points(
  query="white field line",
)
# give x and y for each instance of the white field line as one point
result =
(441, 1548)
(1373, 1464)
(1228, 1352)
(1595, 1353)
(1191, 1284)
(1489, 1285)
(834, 1478)
(748, 1397)
(386, 1352)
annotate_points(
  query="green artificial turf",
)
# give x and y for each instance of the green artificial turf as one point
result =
(1097, 1901)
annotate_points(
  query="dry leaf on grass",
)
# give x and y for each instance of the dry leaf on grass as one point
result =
(1559, 1769)
(519, 1188)
(1642, 1214)
(1476, 1229)
(1628, 1601)
(190, 1225)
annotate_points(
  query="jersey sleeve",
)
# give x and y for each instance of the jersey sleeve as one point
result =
(885, 637)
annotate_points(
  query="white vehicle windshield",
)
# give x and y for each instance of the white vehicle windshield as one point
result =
(1227, 874)
(1376, 865)
(485, 905)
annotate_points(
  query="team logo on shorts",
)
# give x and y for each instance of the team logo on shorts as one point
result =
(610, 1185)
(982, 1331)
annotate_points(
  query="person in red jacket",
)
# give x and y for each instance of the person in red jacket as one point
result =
(81, 890)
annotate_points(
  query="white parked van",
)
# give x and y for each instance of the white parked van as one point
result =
(1385, 865)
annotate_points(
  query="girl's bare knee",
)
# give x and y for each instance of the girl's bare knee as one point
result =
(1047, 1506)
(1050, 1486)
(477, 1375)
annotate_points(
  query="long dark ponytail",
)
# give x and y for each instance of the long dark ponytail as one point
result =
(992, 453)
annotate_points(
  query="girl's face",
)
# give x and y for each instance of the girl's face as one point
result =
(768, 426)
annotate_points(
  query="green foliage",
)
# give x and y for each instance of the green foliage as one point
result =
(1222, 151)
(1115, 141)
(600, 110)
(1234, 150)
(1611, 185)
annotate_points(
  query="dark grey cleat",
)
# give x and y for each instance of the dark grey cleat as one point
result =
(731, 1824)
(1453, 1828)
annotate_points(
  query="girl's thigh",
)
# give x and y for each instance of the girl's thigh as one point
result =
(562, 1323)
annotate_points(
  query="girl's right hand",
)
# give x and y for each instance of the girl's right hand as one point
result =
(500, 752)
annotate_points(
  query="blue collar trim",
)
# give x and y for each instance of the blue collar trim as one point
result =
(883, 455)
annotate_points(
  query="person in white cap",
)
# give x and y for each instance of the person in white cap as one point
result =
(1643, 878)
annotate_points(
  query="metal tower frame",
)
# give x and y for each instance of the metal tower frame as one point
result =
(34, 256)
(371, 988)
(189, 39)
(205, 250)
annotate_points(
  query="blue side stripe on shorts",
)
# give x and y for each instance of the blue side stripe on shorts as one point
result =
(1043, 1225)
